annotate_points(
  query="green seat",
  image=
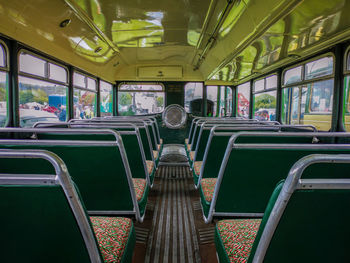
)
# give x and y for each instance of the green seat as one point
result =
(249, 171)
(131, 139)
(100, 168)
(44, 217)
(215, 148)
(306, 220)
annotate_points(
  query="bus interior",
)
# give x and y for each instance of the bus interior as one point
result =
(175, 131)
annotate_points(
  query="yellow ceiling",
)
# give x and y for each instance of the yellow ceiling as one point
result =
(113, 39)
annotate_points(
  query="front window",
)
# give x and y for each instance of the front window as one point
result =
(84, 96)
(42, 90)
(194, 98)
(212, 101)
(140, 99)
(106, 96)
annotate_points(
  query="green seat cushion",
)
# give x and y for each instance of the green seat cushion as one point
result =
(208, 186)
(237, 237)
(139, 186)
(112, 235)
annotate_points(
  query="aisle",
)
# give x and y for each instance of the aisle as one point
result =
(173, 230)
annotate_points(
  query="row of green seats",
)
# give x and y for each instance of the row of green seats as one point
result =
(305, 219)
(250, 170)
(97, 162)
(207, 164)
(44, 217)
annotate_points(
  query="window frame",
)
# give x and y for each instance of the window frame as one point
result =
(303, 81)
(140, 91)
(6, 69)
(99, 91)
(47, 68)
(141, 83)
(47, 61)
(86, 76)
(202, 97)
(265, 89)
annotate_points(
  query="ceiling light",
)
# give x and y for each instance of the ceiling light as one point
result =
(65, 23)
(98, 49)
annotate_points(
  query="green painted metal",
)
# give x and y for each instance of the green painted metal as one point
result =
(218, 144)
(249, 179)
(98, 171)
(130, 142)
(38, 222)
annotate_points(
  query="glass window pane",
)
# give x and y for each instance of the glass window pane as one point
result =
(139, 103)
(3, 98)
(285, 105)
(79, 80)
(106, 95)
(91, 84)
(321, 96)
(243, 100)
(194, 98)
(265, 106)
(2, 57)
(41, 101)
(32, 65)
(229, 101)
(58, 73)
(259, 85)
(319, 108)
(346, 113)
(84, 104)
(348, 62)
(137, 86)
(292, 75)
(271, 82)
(294, 118)
(222, 103)
(319, 68)
(212, 100)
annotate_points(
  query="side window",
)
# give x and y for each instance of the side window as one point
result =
(222, 103)
(307, 95)
(42, 90)
(106, 97)
(139, 98)
(346, 111)
(243, 100)
(264, 96)
(194, 98)
(84, 96)
(228, 101)
(212, 101)
(3, 86)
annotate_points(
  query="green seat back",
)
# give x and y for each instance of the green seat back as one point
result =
(38, 223)
(130, 142)
(98, 172)
(251, 174)
(217, 146)
(315, 224)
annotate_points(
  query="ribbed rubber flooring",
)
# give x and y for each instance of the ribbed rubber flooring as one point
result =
(173, 229)
(174, 237)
